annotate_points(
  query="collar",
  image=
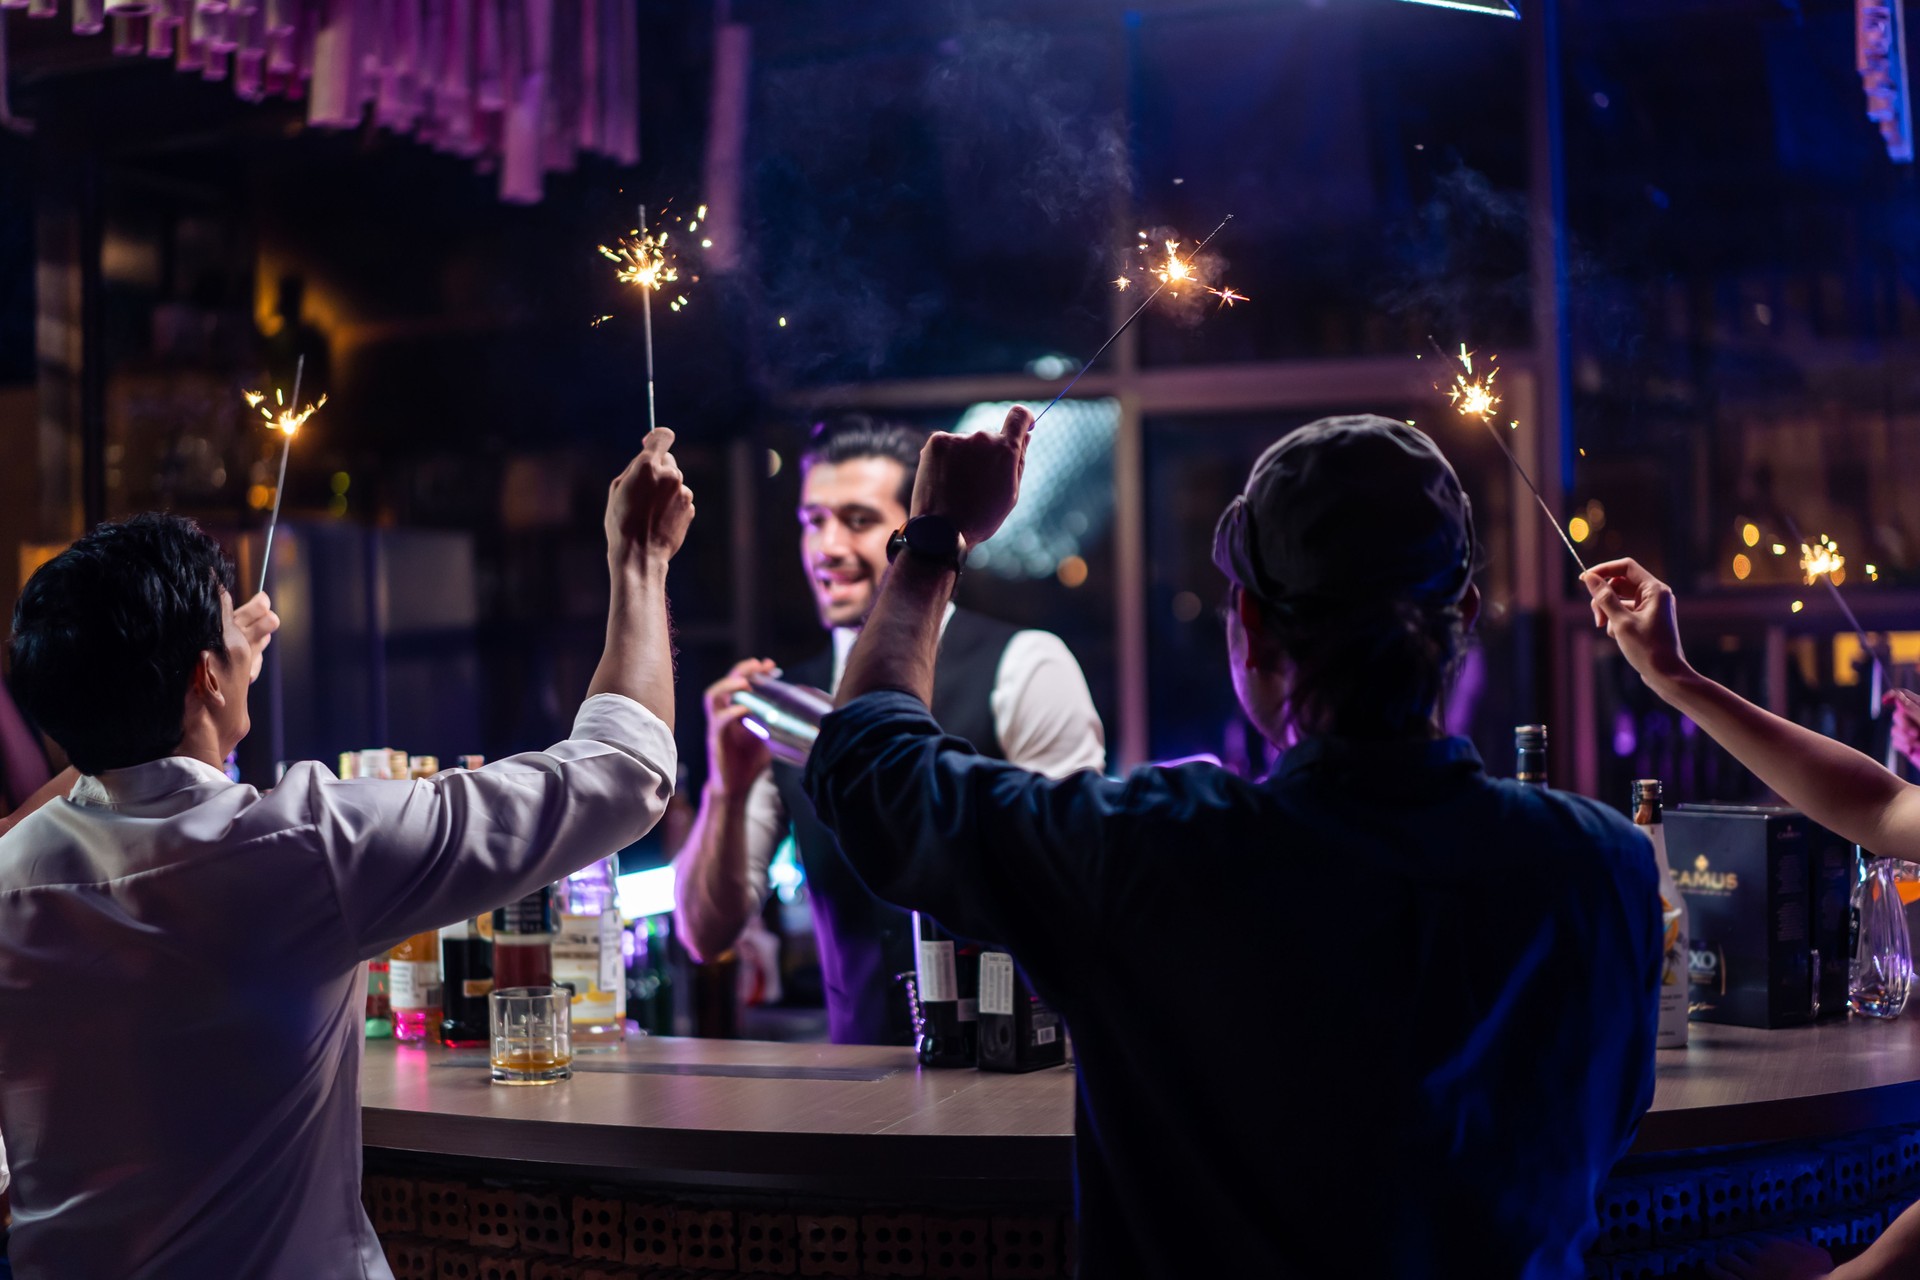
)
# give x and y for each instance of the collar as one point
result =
(1395, 763)
(145, 783)
(843, 638)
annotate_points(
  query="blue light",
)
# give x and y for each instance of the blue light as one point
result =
(1498, 8)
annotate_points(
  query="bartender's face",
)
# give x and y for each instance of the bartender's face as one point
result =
(848, 511)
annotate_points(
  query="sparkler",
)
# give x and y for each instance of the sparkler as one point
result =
(643, 259)
(1175, 270)
(1475, 398)
(288, 423)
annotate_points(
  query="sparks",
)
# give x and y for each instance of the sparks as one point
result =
(1123, 283)
(1173, 270)
(597, 321)
(1474, 398)
(1227, 296)
(1821, 560)
(288, 421)
(642, 259)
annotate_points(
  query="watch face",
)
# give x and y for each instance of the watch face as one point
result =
(934, 538)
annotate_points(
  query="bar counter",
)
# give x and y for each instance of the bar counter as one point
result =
(761, 1153)
(767, 1114)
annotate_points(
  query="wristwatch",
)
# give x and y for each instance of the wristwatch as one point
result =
(932, 538)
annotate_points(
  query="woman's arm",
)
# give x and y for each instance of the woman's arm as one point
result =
(1830, 782)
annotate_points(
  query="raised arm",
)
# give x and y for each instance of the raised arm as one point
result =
(1830, 782)
(648, 510)
(413, 856)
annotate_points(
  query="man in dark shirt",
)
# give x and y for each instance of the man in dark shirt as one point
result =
(1377, 1015)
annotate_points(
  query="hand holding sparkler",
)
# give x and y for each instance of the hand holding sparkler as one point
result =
(257, 622)
(1637, 610)
(649, 505)
(974, 480)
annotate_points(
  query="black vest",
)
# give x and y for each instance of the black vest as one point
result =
(864, 942)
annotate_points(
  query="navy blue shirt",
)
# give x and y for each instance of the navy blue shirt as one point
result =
(1378, 1015)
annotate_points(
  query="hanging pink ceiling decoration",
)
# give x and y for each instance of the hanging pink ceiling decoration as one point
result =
(523, 86)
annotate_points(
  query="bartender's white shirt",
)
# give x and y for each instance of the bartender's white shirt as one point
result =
(182, 998)
(1043, 715)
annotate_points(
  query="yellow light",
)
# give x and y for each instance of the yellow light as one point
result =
(1798, 605)
(1779, 548)
(774, 463)
(1750, 534)
(259, 497)
(341, 481)
(1839, 577)
(1742, 567)
(1578, 529)
(1873, 573)
(1073, 571)
(783, 322)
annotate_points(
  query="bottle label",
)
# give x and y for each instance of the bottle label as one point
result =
(587, 959)
(937, 979)
(531, 916)
(477, 988)
(1045, 1035)
(415, 984)
(996, 983)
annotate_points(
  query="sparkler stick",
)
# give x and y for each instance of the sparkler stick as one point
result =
(646, 325)
(1172, 273)
(287, 428)
(1475, 399)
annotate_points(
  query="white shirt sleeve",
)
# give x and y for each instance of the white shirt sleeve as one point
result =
(1042, 710)
(6, 1177)
(411, 856)
(766, 824)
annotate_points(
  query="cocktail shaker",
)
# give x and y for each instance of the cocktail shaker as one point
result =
(786, 716)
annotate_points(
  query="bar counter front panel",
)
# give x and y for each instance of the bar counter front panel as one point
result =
(689, 1147)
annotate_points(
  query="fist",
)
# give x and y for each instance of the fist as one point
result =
(974, 480)
(735, 756)
(257, 621)
(649, 505)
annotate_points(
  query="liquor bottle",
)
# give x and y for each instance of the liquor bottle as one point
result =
(466, 980)
(379, 1005)
(947, 976)
(523, 941)
(1880, 971)
(1018, 1031)
(588, 957)
(1676, 944)
(1530, 754)
(414, 986)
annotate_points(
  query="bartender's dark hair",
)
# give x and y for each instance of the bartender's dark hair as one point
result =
(1370, 671)
(107, 634)
(856, 435)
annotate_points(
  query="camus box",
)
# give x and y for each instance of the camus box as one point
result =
(1767, 892)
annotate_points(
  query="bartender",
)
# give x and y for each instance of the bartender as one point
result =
(1015, 695)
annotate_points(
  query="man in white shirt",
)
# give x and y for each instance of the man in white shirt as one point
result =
(181, 991)
(1015, 695)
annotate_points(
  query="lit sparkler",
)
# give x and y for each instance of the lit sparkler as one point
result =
(288, 421)
(1174, 270)
(1475, 398)
(644, 258)
(1227, 296)
(1822, 560)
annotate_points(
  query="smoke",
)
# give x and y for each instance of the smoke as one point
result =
(893, 186)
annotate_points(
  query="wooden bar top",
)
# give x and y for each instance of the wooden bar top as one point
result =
(854, 1119)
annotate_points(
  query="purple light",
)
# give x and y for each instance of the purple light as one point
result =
(758, 730)
(1624, 738)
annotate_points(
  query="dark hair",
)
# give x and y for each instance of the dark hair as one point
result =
(1369, 671)
(855, 435)
(107, 634)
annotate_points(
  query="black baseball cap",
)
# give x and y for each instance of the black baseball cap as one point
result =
(1349, 511)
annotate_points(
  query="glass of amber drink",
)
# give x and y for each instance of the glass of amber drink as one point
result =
(532, 1035)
